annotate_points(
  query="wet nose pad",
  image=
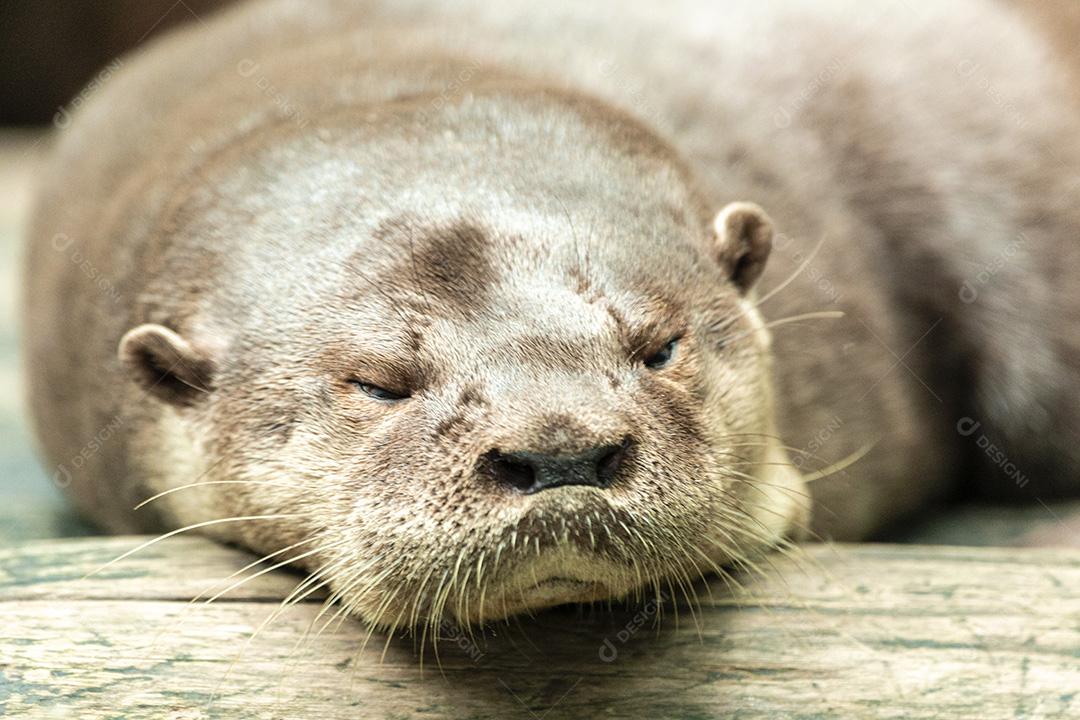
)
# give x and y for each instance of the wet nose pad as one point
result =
(529, 472)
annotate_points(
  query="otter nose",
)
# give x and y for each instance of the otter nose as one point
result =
(530, 472)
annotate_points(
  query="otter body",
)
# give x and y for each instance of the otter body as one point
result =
(465, 299)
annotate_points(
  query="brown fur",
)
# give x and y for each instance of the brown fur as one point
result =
(479, 210)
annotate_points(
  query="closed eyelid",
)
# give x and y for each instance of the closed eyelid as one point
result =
(399, 368)
(379, 392)
(655, 332)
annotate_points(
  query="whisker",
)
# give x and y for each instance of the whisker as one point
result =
(791, 278)
(843, 463)
(802, 317)
(196, 526)
(292, 598)
(188, 486)
(273, 567)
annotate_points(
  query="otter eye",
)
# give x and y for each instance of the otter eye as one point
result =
(663, 356)
(378, 393)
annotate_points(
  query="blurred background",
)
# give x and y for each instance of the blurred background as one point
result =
(51, 49)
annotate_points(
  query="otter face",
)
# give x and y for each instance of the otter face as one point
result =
(549, 385)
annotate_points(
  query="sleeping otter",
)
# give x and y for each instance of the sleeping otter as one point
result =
(470, 311)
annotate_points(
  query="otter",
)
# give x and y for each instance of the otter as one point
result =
(471, 310)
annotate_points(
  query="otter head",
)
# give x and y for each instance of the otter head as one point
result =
(468, 359)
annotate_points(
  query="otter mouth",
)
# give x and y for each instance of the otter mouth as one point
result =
(563, 580)
(557, 590)
(567, 585)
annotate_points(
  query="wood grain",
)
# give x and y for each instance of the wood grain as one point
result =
(844, 632)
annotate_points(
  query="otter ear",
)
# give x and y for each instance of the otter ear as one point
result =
(165, 364)
(743, 241)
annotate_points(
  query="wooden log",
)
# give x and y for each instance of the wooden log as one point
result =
(842, 632)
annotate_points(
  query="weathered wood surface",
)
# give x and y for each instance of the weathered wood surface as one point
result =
(848, 632)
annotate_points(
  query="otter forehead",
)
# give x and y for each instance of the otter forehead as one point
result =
(537, 292)
(552, 228)
(538, 271)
